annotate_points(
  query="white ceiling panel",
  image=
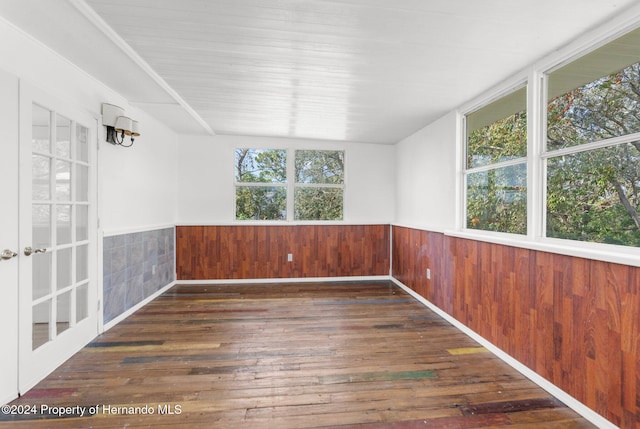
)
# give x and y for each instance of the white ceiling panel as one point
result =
(357, 70)
(64, 29)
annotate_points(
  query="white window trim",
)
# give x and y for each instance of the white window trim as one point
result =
(537, 155)
(466, 171)
(290, 186)
(587, 147)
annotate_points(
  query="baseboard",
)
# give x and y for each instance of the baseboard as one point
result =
(136, 307)
(285, 280)
(554, 390)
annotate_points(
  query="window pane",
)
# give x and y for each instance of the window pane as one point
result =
(261, 203)
(41, 179)
(63, 137)
(63, 264)
(595, 97)
(82, 263)
(498, 131)
(63, 312)
(41, 274)
(320, 166)
(63, 181)
(82, 302)
(40, 324)
(599, 110)
(497, 199)
(82, 223)
(63, 225)
(82, 183)
(41, 225)
(593, 196)
(318, 204)
(82, 143)
(261, 165)
(40, 130)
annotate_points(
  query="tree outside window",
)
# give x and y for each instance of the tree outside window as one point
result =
(591, 157)
(593, 151)
(261, 178)
(262, 184)
(319, 185)
(496, 169)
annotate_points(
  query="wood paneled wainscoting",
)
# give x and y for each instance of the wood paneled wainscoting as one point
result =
(574, 321)
(260, 251)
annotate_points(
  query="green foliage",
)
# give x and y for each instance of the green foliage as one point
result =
(607, 107)
(318, 204)
(269, 202)
(500, 141)
(594, 195)
(496, 199)
(587, 193)
(261, 203)
(320, 166)
(261, 165)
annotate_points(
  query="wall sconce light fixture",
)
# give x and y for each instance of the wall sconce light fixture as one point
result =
(118, 125)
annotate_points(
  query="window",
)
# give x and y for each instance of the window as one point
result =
(261, 184)
(319, 185)
(585, 162)
(269, 187)
(593, 146)
(496, 165)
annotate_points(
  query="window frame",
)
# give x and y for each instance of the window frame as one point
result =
(535, 75)
(467, 171)
(298, 185)
(290, 186)
(237, 184)
(546, 155)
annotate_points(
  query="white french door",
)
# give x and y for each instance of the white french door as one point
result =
(58, 252)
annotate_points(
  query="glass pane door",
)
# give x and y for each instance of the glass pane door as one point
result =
(58, 272)
(60, 219)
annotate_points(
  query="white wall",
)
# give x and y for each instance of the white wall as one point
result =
(139, 184)
(426, 180)
(206, 193)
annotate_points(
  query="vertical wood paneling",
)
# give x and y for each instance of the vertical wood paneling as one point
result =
(611, 282)
(416, 251)
(260, 251)
(542, 279)
(574, 321)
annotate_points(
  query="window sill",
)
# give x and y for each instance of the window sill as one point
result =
(596, 251)
(280, 223)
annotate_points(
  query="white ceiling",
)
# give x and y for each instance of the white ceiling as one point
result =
(356, 70)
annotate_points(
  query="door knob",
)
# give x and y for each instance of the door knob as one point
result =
(7, 254)
(29, 250)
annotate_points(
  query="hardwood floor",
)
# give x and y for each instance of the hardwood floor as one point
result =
(345, 355)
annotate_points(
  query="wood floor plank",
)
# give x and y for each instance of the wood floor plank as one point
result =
(352, 355)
